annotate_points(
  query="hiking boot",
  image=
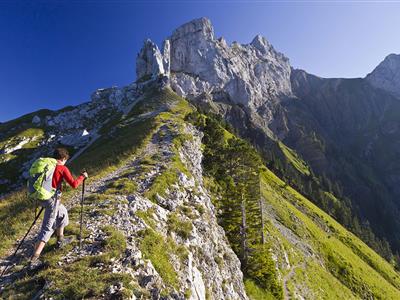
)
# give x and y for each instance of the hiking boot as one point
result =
(61, 243)
(35, 263)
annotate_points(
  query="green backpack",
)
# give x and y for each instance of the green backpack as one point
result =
(40, 178)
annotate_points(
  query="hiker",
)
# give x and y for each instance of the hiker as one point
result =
(55, 215)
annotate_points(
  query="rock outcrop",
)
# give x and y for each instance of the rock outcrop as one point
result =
(198, 264)
(386, 75)
(254, 75)
(150, 62)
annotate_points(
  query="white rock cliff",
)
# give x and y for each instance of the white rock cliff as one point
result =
(254, 75)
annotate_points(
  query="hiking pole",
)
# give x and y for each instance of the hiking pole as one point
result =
(23, 239)
(80, 229)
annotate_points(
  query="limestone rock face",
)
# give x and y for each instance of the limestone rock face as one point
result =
(149, 61)
(77, 139)
(254, 75)
(166, 56)
(386, 75)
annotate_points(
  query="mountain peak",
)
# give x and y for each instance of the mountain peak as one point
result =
(198, 64)
(261, 43)
(201, 27)
(386, 75)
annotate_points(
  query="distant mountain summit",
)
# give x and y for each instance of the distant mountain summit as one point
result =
(387, 75)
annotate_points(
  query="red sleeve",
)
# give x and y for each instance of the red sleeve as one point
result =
(71, 181)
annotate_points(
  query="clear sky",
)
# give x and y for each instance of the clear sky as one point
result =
(56, 53)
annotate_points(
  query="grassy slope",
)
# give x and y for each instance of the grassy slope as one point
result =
(343, 266)
(294, 159)
(338, 266)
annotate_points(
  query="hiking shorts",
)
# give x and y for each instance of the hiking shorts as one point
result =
(55, 216)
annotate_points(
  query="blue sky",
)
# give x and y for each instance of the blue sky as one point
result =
(56, 53)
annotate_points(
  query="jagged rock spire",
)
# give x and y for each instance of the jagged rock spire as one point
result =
(150, 61)
(197, 63)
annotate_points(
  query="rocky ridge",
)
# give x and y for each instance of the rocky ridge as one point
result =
(386, 75)
(198, 273)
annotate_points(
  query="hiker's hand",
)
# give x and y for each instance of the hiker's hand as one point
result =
(85, 174)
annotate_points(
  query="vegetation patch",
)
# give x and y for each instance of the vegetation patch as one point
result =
(255, 292)
(293, 157)
(158, 251)
(16, 211)
(113, 147)
(161, 184)
(261, 269)
(349, 270)
(181, 227)
(200, 208)
(123, 186)
(147, 216)
(188, 211)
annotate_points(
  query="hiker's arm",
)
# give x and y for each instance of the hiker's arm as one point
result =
(70, 180)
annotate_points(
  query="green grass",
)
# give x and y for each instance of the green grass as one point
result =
(294, 159)
(111, 150)
(353, 268)
(16, 215)
(123, 186)
(158, 251)
(255, 292)
(200, 208)
(180, 227)
(78, 279)
(161, 184)
(188, 211)
(147, 216)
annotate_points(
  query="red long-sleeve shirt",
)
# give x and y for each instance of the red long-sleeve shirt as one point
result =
(62, 172)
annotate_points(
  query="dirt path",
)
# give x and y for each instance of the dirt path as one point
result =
(288, 277)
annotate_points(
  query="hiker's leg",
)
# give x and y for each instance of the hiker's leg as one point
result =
(62, 220)
(38, 249)
(47, 225)
(60, 233)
